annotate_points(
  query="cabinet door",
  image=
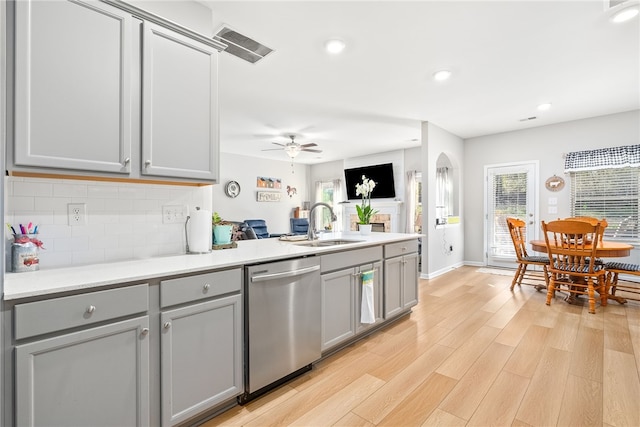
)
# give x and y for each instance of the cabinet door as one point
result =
(179, 108)
(393, 302)
(409, 280)
(96, 377)
(338, 307)
(201, 357)
(377, 296)
(72, 86)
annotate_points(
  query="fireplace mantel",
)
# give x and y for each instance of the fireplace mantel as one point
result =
(393, 208)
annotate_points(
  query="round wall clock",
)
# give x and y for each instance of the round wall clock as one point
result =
(232, 189)
(555, 183)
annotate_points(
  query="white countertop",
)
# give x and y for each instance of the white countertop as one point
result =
(50, 281)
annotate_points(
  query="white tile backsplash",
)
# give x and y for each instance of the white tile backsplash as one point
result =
(124, 221)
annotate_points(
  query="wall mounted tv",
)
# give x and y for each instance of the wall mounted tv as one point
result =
(382, 175)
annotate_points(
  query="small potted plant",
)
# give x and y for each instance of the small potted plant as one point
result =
(222, 230)
(365, 212)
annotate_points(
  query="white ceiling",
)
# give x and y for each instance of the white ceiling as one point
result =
(506, 57)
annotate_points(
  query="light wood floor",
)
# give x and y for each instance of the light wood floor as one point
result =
(472, 353)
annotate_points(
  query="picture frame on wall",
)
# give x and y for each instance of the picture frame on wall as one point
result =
(268, 196)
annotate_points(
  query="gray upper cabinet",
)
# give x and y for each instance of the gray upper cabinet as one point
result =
(110, 90)
(72, 86)
(179, 108)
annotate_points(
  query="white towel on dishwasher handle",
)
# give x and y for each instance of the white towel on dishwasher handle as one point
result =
(367, 311)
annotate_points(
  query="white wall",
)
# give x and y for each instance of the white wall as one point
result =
(545, 144)
(245, 170)
(436, 256)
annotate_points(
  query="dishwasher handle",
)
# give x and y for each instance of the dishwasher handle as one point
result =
(272, 276)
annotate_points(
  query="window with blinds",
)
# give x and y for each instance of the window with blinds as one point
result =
(610, 194)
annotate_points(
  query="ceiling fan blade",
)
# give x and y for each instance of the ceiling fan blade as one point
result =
(311, 144)
(310, 150)
(272, 149)
(277, 143)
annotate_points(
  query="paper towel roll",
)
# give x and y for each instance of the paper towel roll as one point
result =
(199, 231)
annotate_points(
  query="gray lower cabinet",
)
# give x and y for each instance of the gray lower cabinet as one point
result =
(401, 284)
(341, 303)
(95, 377)
(201, 357)
(78, 363)
(200, 343)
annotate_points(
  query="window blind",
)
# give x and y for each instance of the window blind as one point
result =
(610, 194)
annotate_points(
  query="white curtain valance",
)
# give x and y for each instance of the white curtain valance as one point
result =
(603, 158)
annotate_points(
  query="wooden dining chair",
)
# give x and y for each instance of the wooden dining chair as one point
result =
(517, 229)
(592, 220)
(570, 246)
(619, 288)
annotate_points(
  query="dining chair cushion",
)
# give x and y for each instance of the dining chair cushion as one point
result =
(622, 266)
(574, 268)
(533, 258)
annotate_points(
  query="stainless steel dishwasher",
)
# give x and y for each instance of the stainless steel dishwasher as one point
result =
(282, 321)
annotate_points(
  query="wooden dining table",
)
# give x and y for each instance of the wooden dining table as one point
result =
(605, 249)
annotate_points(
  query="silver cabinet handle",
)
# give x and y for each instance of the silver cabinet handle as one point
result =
(166, 325)
(126, 161)
(91, 309)
(206, 287)
(147, 163)
(144, 331)
(404, 248)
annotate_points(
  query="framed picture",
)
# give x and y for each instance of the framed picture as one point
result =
(268, 196)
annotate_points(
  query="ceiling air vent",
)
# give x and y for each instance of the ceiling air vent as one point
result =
(526, 119)
(242, 46)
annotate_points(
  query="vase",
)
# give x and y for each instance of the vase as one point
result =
(365, 229)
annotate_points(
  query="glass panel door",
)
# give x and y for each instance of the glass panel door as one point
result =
(510, 192)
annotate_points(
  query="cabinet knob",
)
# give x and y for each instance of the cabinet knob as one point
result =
(144, 331)
(147, 163)
(404, 248)
(126, 161)
(206, 287)
(91, 309)
(166, 325)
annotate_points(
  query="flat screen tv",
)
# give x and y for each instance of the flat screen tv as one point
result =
(382, 175)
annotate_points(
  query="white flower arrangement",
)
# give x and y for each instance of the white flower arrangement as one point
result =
(365, 189)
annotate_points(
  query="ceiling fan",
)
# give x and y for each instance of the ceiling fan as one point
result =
(293, 148)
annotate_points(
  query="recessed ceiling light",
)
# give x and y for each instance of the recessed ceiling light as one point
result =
(625, 14)
(441, 75)
(544, 107)
(335, 46)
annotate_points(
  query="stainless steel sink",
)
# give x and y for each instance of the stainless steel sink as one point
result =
(332, 242)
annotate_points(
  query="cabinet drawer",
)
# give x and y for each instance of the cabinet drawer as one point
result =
(340, 260)
(400, 248)
(201, 286)
(41, 317)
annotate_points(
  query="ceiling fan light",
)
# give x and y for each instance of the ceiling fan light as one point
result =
(335, 46)
(625, 14)
(292, 151)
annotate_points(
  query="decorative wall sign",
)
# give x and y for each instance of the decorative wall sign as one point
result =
(265, 182)
(268, 196)
(555, 183)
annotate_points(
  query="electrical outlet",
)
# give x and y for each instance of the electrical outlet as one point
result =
(173, 214)
(77, 213)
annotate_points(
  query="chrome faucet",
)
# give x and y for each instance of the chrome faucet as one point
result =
(311, 233)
